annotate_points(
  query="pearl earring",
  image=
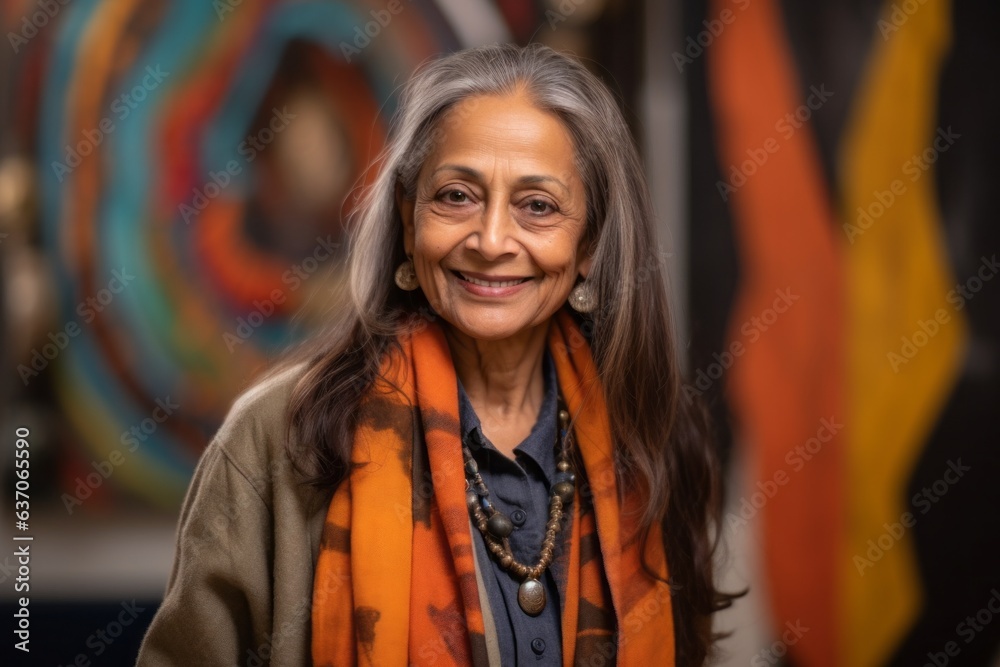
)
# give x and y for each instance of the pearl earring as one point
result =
(406, 276)
(582, 299)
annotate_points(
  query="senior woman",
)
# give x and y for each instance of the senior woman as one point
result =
(488, 461)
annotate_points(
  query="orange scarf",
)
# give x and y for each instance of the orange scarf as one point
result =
(396, 580)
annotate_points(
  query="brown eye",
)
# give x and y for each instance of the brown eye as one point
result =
(455, 197)
(540, 207)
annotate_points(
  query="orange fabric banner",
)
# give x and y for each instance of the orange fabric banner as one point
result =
(786, 330)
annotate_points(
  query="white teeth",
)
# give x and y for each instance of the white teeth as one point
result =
(493, 283)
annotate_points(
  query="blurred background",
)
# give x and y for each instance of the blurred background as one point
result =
(173, 180)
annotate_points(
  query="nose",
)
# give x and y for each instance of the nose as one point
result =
(494, 236)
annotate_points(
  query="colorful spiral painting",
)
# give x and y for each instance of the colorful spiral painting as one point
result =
(194, 162)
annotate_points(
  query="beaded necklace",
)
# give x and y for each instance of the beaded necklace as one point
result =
(496, 526)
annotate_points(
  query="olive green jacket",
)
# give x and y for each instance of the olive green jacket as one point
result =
(240, 591)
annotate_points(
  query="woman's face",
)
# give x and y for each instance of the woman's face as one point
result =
(496, 229)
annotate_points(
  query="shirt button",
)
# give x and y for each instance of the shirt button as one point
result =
(518, 517)
(538, 645)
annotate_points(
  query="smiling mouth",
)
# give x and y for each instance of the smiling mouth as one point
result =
(504, 281)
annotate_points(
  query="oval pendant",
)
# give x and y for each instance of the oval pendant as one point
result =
(531, 597)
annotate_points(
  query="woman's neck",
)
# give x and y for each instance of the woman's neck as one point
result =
(503, 380)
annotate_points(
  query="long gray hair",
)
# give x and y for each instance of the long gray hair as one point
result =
(661, 442)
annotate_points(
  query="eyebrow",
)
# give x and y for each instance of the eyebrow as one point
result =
(524, 180)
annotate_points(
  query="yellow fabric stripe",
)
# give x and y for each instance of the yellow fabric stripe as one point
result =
(102, 432)
(897, 277)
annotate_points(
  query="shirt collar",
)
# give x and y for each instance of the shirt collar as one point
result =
(539, 444)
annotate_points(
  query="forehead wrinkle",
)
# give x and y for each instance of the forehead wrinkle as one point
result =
(480, 176)
(460, 168)
(481, 145)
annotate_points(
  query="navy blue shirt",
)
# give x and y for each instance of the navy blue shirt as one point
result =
(519, 488)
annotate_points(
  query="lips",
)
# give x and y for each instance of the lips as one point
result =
(490, 281)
